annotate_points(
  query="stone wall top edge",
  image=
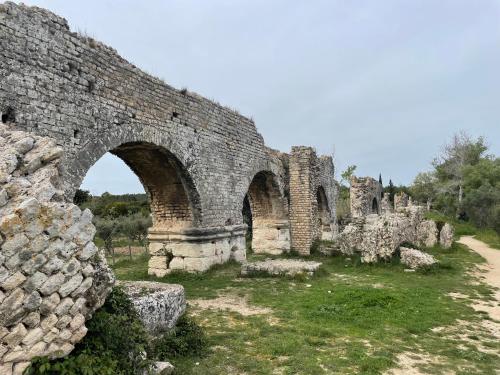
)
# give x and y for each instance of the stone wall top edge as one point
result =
(41, 15)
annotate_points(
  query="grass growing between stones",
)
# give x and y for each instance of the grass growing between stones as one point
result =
(352, 318)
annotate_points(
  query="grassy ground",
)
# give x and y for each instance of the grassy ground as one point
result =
(353, 318)
(463, 228)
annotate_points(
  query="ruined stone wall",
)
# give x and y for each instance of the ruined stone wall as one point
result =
(308, 176)
(87, 98)
(66, 100)
(365, 196)
(401, 200)
(51, 274)
(378, 237)
(195, 158)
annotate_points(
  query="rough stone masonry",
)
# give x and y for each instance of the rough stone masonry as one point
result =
(65, 101)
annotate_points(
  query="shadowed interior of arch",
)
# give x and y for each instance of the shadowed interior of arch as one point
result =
(374, 206)
(173, 198)
(265, 213)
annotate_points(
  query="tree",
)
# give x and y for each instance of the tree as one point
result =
(465, 182)
(135, 228)
(391, 190)
(481, 202)
(424, 188)
(450, 164)
(347, 174)
(81, 197)
(380, 182)
(106, 229)
(117, 209)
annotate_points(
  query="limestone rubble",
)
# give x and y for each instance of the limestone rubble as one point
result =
(414, 258)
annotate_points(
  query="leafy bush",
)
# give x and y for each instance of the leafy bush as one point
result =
(186, 339)
(116, 343)
(82, 363)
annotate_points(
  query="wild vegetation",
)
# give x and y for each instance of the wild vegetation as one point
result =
(109, 349)
(464, 188)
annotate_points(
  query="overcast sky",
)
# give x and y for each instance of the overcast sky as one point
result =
(381, 83)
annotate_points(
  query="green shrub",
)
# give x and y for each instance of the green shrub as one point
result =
(186, 339)
(83, 363)
(116, 343)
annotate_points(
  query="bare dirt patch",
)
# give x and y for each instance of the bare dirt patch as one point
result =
(233, 303)
(409, 363)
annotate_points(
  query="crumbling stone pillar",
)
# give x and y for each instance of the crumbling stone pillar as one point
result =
(365, 196)
(400, 200)
(386, 206)
(303, 203)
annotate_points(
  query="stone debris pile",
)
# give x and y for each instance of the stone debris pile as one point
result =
(414, 258)
(281, 267)
(158, 305)
(378, 237)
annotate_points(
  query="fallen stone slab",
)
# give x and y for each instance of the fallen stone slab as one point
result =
(280, 267)
(158, 305)
(414, 258)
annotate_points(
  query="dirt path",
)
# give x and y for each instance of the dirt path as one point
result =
(492, 275)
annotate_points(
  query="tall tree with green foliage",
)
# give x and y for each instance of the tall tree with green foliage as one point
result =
(391, 190)
(449, 166)
(465, 182)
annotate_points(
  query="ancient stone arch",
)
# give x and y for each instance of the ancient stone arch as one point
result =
(66, 100)
(269, 212)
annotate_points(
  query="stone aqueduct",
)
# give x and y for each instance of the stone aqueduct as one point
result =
(196, 159)
(65, 101)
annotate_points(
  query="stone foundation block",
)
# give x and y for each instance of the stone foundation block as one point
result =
(158, 305)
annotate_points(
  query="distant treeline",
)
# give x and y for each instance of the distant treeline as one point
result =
(119, 219)
(110, 205)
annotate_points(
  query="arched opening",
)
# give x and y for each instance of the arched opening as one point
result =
(375, 206)
(173, 201)
(266, 210)
(324, 215)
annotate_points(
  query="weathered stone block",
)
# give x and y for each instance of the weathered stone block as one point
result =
(446, 236)
(159, 305)
(415, 258)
